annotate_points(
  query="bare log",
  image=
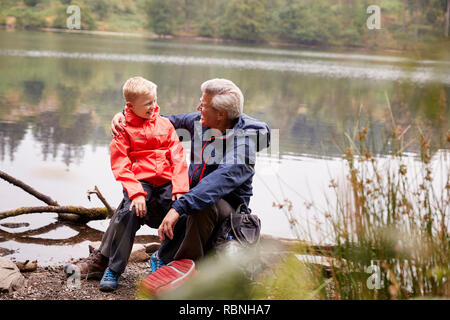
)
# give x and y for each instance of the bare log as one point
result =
(64, 212)
(28, 189)
(85, 213)
(102, 199)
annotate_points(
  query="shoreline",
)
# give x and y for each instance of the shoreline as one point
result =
(50, 283)
(274, 44)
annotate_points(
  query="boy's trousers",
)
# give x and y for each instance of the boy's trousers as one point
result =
(124, 224)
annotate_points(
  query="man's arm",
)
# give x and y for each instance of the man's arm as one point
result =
(179, 121)
(213, 187)
(184, 120)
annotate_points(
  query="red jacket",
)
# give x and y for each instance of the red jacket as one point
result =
(148, 149)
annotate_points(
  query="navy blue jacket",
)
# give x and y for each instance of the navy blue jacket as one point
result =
(221, 167)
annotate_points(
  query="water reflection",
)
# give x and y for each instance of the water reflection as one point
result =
(57, 98)
(11, 134)
(52, 242)
(423, 74)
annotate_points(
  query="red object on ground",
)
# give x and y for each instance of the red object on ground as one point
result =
(168, 277)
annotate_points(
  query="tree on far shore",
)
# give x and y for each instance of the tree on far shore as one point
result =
(161, 15)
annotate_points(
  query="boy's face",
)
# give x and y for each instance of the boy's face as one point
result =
(143, 106)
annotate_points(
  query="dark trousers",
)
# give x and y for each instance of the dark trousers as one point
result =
(125, 223)
(193, 233)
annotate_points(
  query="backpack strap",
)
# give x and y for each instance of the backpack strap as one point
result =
(243, 208)
(244, 211)
(234, 231)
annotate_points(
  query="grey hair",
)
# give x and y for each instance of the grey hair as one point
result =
(226, 96)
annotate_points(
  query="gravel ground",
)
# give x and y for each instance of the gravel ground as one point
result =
(50, 283)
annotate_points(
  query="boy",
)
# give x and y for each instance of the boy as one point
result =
(148, 159)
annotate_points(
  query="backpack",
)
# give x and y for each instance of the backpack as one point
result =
(241, 225)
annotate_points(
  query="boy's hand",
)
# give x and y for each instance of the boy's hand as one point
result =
(139, 204)
(117, 123)
(177, 196)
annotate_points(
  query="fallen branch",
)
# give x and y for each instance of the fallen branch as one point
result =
(84, 233)
(28, 189)
(102, 199)
(85, 213)
(64, 212)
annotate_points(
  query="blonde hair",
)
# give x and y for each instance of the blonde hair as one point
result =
(137, 86)
(226, 96)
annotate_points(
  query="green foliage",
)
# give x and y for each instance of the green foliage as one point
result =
(188, 12)
(101, 8)
(31, 20)
(243, 20)
(88, 21)
(31, 3)
(27, 18)
(206, 28)
(405, 23)
(160, 14)
(310, 22)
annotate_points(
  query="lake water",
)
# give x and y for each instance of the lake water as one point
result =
(59, 91)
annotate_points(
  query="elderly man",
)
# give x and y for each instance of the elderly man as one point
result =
(224, 142)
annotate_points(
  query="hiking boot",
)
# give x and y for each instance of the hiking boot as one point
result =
(168, 277)
(155, 262)
(92, 267)
(110, 280)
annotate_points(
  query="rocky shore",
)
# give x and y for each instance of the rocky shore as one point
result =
(50, 283)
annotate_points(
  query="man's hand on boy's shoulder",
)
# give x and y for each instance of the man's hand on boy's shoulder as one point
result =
(117, 124)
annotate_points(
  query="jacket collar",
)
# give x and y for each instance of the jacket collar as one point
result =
(134, 120)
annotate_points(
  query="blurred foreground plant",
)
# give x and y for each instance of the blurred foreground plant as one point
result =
(262, 272)
(391, 221)
(388, 220)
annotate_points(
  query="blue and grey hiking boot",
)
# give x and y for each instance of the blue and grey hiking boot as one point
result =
(109, 281)
(155, 262)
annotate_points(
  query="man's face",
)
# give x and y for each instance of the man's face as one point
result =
(143, 106)
(210, 116)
